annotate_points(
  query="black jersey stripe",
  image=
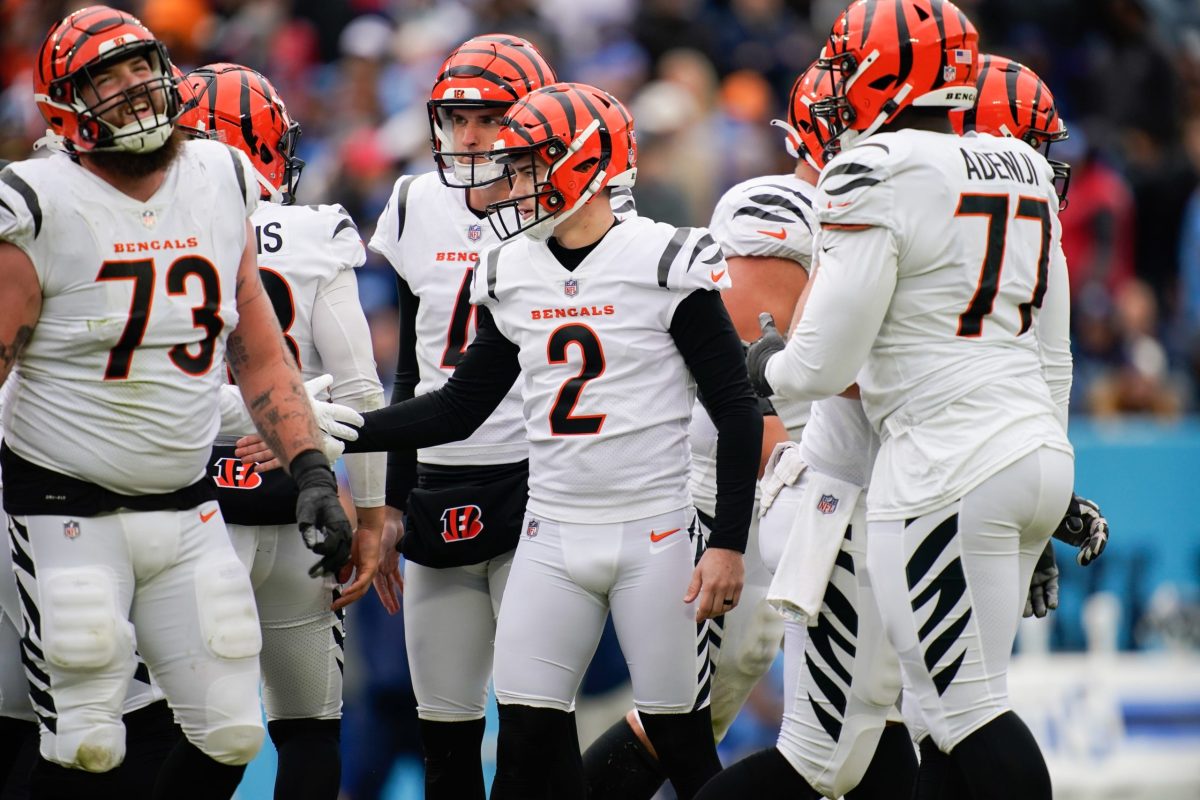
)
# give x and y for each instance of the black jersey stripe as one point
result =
(705, 242)
(668, 256)
(240, 173)
(778, 202)
(847, 169)
(28, 195)
(402, 204)
(341, 226)
(852, 185)
(761, 213)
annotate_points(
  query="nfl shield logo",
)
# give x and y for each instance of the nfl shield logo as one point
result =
(570, 287)
(949, 73)
(474, 232)
(827, 504)
(532, 529)
(71, 529)
(149, 219)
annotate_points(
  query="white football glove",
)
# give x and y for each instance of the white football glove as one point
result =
(332, 418)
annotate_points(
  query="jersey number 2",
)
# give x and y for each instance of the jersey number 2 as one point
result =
(562, 422)
(204, 316)
(995, 208)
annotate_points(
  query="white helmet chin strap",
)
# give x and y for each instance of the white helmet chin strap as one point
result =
(478, 174)
(136, 137)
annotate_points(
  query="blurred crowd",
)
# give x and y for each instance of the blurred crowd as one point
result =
(703, 79)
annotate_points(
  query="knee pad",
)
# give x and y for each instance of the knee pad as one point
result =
(233, 745)
(101, 750)
(225, 606)
(82, 628)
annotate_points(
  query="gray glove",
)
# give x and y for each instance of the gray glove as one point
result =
(760, 352)
(1084, 527)
(1043, 589)
(322, 521)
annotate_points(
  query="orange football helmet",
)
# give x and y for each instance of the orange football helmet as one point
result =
(803, 141)
(887, 56)
(1013, 101)
(75, 50)
(238, 106)
(490, 71)
(578, 139)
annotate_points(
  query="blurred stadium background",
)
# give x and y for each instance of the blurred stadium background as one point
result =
(1110, 683)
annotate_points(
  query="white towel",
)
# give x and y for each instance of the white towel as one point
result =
(798, 587)
(784, 468)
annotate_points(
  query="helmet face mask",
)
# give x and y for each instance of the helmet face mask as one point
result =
(492, 71)
(807, 134)
(238, 106)
(460, 166)
(565, 143)
(85, 84)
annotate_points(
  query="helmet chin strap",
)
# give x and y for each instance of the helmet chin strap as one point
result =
(478, 174)
(274, 194)
(137, 138)
(543, 229)
(791, 139)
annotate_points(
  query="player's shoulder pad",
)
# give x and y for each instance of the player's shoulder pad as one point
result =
(395, 213)
(486, 283)
(337, 232)
(857, 186)
(21, 212)
(690, 259)
(218, 159)
(622, 202)
(770, 216)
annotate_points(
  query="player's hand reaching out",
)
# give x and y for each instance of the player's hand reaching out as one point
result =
(364, 561)
(337, 423)
(760, 352)
(717, 581)
(319, 514)
(389, 582)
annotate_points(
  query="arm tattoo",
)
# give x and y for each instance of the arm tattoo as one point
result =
(9, 351)
(235, 352)
(271, 414)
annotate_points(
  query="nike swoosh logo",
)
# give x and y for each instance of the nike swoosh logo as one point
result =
(781, 235)
(716, 276)
(658, 537)
(206, 517)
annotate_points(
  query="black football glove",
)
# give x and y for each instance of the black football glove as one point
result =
(322, 521)
(1043, 589)
(760, 352)
(1083, 527)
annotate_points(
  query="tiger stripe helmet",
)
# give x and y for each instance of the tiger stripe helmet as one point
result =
(78, 47)
(490, 71)
(803, 140)
(239, 106)
(887, 55)
(578, 139)
(1014, 101)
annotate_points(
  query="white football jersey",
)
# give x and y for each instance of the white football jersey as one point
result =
(300, 249)
(954, 381)
(119, 380)
(607, 395)
(433, 240)
(770, 216)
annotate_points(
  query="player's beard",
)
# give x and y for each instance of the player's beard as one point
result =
(139, 165)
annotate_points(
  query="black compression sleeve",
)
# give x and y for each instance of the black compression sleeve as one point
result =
(705, 335)
(487, 371)
(402, 464)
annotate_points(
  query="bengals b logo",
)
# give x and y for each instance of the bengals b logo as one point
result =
(461, 523)
(231, 473)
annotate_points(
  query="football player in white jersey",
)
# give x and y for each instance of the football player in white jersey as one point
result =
(955, 311)
(306, 259)
(150, 729)
(610, 327)
(465, 500)
(127, 272)
(765, 228)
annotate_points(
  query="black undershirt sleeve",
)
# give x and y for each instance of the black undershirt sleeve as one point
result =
(402, 464)
(705, 335)
(487, 371)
